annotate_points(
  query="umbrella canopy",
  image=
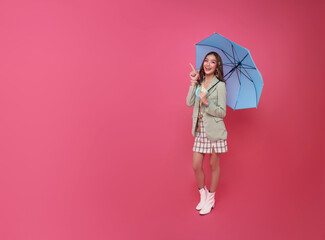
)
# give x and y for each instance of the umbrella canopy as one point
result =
(244, 82)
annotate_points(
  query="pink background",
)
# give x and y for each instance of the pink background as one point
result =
(96, 137)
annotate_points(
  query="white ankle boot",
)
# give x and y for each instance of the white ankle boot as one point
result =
(209, 203)
(203, 196)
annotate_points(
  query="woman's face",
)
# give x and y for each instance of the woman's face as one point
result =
(210, 64)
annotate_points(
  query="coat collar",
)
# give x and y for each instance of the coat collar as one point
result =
(214, 81)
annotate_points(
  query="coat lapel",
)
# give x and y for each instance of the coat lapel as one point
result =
(213, 83)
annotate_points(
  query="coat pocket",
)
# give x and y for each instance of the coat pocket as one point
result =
(220, 125)
(218, 119)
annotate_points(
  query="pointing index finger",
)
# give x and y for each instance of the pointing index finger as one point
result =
(192, 67)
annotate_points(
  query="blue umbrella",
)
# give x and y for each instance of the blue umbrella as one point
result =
(244, 82)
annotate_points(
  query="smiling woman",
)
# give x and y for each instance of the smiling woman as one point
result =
(208, 127)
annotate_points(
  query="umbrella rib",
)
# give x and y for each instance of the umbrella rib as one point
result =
(238, 63)
(244, 68)
(228, 57)
(229, 64)
(233, 52)
(248, 67)
(244, 58)
(232, 71)
(239, 88)
(249, 78)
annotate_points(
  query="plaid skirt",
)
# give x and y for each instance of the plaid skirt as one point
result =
(204, 145)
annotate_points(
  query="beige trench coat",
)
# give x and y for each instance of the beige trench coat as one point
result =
(214, 113)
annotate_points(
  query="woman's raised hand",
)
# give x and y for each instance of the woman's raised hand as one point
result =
(194, 75)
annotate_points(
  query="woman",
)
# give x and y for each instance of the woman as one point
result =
(208, 127)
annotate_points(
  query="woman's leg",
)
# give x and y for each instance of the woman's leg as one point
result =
(215, 170)
(198, 168)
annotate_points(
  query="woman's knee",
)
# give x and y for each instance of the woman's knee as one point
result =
(197, 161)
(197, 167)
(215, 161)
(214, 164)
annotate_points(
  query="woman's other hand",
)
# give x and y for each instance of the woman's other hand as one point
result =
(194, 75)
(203, 97)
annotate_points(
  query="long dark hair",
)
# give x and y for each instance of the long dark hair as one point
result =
(219, 69)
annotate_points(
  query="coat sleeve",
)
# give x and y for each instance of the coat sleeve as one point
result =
(219, 109)
(190, 99)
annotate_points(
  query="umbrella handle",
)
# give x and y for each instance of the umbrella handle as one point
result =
(197, 92)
